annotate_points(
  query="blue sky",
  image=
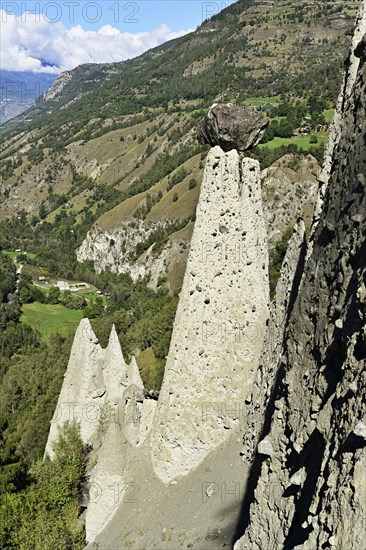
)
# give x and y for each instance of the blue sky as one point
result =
(126, 15)
(57, 35)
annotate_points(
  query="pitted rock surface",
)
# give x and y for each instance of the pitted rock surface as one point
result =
(105, 396)
(220, 322)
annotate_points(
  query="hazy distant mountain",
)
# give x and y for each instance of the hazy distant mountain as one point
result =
(19, 90)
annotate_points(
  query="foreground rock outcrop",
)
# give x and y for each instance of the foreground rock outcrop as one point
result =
(310, 491)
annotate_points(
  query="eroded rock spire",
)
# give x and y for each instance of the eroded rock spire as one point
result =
(220, 321)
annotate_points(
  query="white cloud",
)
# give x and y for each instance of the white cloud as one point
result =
(26, 42)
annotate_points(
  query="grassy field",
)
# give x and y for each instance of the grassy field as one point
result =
(260, 101)
(329, 114)
(13, 255)
(303, 142)
(50, 319)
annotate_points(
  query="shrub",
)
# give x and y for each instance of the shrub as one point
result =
(92, 311)
(45, 515)
(25, 295)
(37, 294)
(53, 295)
(74, 301)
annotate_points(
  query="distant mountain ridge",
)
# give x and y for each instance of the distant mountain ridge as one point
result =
(19, 90)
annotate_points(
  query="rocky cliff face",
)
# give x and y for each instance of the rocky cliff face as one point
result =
(351, 69)
(310, 490)
(59, 84)
(116, 250)
(289, 190)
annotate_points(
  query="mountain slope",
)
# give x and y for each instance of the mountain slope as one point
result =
(251, 46)
(113, 144)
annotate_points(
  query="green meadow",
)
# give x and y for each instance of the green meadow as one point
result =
(303, 142)
(51, 319)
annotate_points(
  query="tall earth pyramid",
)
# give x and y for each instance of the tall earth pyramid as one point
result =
(220, 322)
